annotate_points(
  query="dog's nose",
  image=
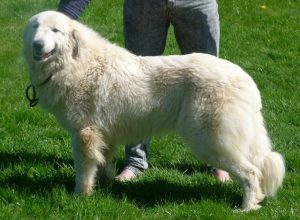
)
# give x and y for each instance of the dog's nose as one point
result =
(38, 45)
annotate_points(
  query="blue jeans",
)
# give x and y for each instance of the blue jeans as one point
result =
(146, 23)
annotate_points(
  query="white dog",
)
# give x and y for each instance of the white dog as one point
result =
(104, 96)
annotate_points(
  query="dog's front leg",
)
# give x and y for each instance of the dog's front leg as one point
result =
(88, 146)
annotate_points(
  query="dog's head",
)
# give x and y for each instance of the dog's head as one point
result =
(49, 40)
(46, 35)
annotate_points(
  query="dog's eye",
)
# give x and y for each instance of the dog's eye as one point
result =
(55, 30)
(35, 26)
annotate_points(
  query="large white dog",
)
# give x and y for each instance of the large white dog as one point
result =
(104, 96)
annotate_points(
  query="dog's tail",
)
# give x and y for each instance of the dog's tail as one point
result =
(273, 172)
(270, 163)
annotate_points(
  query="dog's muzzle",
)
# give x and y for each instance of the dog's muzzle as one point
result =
(38, 51)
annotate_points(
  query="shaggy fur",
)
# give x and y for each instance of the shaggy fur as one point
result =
(105, 96)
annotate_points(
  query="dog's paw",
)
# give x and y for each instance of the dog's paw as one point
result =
(251, 207)
(82, 191)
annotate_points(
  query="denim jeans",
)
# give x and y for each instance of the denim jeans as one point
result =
(146, 24)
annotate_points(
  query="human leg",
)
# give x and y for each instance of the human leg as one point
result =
(145, 29)
(197, 29)
(136, 161)
(145, 26)
(196, 26)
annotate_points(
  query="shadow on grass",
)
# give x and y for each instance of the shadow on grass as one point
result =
(144, 193)
(160, 191)
(13, 158)
(26, 173)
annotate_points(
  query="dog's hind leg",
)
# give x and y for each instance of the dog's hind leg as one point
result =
(88, 148)
(227, 150)
(249, 177)
(242, 169)
(231, 150)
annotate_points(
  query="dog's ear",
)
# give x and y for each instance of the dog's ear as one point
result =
(76, 39)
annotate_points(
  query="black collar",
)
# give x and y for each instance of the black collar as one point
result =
(33, 100)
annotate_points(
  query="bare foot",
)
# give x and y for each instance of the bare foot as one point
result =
(125, 175)
(221, 175)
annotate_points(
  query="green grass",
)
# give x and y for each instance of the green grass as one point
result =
(36, 168)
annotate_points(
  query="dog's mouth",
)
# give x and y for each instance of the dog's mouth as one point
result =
(43, 56)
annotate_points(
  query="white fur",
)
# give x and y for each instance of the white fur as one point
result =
(105, 96)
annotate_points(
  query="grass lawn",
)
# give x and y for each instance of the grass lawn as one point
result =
(36, 168)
